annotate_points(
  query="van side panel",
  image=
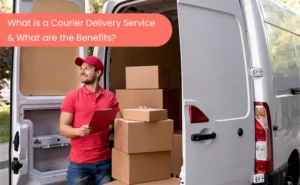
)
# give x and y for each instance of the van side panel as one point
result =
(282, 37)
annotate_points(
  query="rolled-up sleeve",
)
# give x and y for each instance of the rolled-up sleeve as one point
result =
(68, 104)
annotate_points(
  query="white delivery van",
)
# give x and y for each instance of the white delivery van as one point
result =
(237, 63)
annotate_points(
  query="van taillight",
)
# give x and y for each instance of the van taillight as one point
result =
(196, 115)
(263, 139)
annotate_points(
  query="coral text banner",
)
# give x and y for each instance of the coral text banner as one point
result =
(52, 30)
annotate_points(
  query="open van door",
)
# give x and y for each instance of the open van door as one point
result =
(218, 103)
(42, 76)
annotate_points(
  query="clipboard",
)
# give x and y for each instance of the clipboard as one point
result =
(101, 119)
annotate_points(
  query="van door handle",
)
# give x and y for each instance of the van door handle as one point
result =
(200, 137)
(295, 91)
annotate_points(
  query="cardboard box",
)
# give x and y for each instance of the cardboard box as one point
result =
(142, 167)
(147, 77)
(145, 114)
(171, 181)
(141, 137)
(176, 155)
(169, 99)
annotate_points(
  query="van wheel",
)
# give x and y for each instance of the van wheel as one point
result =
(290, 181)
(293, 171)
(293, 175)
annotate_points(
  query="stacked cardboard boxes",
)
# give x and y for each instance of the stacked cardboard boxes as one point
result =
(176, 154)
(146, 150)
(143, 145)
(150, 86)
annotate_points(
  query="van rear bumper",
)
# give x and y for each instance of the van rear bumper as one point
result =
(276, 177)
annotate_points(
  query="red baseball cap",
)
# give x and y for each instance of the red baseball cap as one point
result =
(92, 60)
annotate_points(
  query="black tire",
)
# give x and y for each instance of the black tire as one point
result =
(294, 173)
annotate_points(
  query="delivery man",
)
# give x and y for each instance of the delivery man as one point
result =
(90, 156)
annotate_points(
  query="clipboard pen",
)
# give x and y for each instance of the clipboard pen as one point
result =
(102, 119)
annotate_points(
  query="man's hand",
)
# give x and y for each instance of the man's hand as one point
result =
(84, 130)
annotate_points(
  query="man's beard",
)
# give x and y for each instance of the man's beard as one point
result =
(88, 81)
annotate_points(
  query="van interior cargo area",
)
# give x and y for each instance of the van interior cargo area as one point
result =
(136, 82)
(43, 74)
(167, 55)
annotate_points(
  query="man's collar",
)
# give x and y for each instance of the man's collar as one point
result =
(86, 91)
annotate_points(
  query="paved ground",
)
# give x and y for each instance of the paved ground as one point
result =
(4, 176)
(4, 155)
(4, 164)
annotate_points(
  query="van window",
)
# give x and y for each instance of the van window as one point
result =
(274, 15)
(297, 42)
(281, 32)
(283, 58)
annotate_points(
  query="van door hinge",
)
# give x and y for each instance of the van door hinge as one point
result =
(256, 72)
(16, 165)
(16, 142)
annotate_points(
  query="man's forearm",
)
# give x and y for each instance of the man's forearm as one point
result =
(68, 131)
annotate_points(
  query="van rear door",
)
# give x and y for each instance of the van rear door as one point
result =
(42, 76)
(218, 104)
